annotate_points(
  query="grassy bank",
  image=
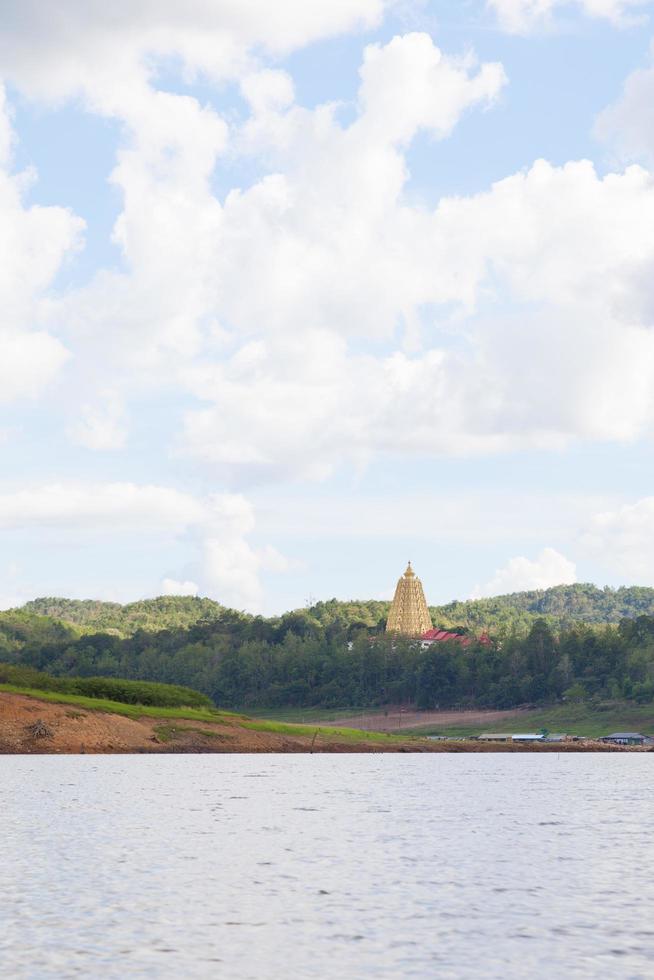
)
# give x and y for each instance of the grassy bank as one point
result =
(347, 734)
(213, 715)
(310, 715)
(590, 720)
(151, 693)
(120, 708)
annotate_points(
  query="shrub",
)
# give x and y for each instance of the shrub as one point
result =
(109, 688)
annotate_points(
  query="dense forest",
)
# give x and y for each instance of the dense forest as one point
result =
(336, 654)
(560, 605)
(166, 612)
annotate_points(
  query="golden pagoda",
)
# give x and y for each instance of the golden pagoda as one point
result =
(409, 615)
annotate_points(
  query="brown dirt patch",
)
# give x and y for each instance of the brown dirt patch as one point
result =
(77, 730)
(398, 718)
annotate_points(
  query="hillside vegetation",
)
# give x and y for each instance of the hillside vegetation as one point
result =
(39, 713)
(563, 604)
(166, 612)
(106, 688)
(337, 654)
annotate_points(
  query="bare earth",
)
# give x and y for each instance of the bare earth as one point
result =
(395, 719)
(73, 730)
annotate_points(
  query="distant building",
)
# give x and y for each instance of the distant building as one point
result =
(626, 738)
(517, 737)
(409, 615)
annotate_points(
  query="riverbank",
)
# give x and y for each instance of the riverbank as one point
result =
(38, 725)
(589, 719)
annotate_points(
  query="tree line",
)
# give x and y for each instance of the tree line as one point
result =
(301, 659)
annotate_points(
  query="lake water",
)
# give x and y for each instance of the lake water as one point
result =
(327, 866)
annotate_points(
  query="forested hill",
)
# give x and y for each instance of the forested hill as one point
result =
(581, 603)
(544, 646)
(166, 612)
(560, 605)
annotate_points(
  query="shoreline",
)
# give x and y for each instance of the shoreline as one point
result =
(30, 726)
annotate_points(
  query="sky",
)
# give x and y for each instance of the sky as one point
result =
(292, 294)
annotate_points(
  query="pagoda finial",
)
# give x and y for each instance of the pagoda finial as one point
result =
(409, 571)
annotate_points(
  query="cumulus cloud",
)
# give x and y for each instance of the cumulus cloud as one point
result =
(220, 524)
(628, 124)
(33, 243)
(409, 84)
(111, 506)
(522, 574)
(14, 591)
(29, 362)
(171, 586)
(318, 314)
(100, 426)
(327, 233)
(622, 539)
(574, 252)
(86, 47)
(525, 16)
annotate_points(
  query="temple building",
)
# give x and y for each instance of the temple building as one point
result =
(409, 615)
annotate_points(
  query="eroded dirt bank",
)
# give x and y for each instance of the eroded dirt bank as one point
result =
(397, 718)
(28, 725)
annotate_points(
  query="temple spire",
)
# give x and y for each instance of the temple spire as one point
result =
(409, 615)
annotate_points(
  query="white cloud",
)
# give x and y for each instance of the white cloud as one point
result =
(354, 322)
(525, 16)
(573, 251)
(327, 234)
(33, 243)
(409, 84)
(521, 574)
(129, 330)
(466, 518)
(623, 540)
(101, 426)
(628, 124)
(28, 362)
(171, 586)
(110, 506)
(86, 47)
(13, 590)
(220, 524)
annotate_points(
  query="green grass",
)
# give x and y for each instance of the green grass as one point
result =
(591, 720)
(110, 688)
(120, 708)
(168, 733)
(345, 734)
(301, 715)
(216, 716)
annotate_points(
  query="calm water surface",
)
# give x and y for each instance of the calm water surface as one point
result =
(326, 866)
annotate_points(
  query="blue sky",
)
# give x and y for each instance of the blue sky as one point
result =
(287, 302)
